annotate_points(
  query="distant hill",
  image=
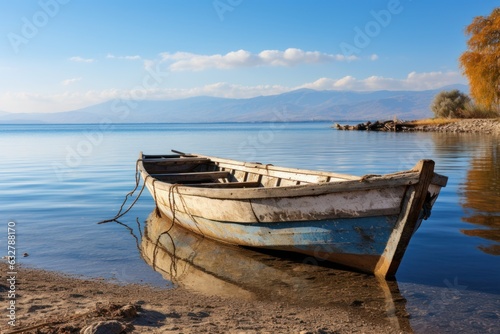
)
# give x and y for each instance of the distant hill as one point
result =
(298, 105)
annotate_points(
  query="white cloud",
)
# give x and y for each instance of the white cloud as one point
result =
(33, 102)
(29, 102)
(82, 60)
(38, 103)
(68, 82)
(111, 56)
(224, 89)
(184, 61)
(413, 81)
(374, 57)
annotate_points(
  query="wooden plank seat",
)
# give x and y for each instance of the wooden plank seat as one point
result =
(247, 184)
(162, 156)
(191, 177)
(176, 161)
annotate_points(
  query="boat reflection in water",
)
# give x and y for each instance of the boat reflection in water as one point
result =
(212, 268)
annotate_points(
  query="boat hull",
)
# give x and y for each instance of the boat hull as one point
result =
(362, 224)
(353, 242)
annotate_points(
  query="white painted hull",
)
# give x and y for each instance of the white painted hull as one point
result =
(363, 223)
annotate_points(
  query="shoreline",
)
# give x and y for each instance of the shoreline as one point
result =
(482, 126)
(51, 302)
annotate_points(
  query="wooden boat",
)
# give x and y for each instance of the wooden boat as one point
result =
(362, 222)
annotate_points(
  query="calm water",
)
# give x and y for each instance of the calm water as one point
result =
(57, 181)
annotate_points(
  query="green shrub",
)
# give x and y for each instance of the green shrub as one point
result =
(450, 104)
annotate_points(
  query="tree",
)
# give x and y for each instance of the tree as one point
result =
(450, 104)
(481, 62)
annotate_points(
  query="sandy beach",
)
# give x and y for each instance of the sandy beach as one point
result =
(47, 302)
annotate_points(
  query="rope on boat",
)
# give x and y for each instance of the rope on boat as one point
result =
(130, 194)
(427, 207)
(185, 207)
(119, 214)
(171, 202)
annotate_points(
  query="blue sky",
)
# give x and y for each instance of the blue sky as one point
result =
(58, 55)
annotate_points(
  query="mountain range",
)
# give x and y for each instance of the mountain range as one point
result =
(298, 105)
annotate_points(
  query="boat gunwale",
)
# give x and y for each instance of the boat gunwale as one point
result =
(404, 178)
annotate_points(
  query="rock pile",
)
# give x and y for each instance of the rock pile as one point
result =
(377, 126)
(485, 126)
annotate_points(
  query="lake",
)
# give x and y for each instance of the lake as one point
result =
(58, 181)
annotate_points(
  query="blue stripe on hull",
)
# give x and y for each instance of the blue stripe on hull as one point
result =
(356, 236)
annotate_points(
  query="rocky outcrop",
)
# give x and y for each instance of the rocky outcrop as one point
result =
(485, 126)
(376, 126)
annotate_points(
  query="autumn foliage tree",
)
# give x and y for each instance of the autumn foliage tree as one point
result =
(481, 62)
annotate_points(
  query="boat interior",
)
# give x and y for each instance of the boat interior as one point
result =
(204, 171)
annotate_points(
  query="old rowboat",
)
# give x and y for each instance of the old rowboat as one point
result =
(362, 222)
